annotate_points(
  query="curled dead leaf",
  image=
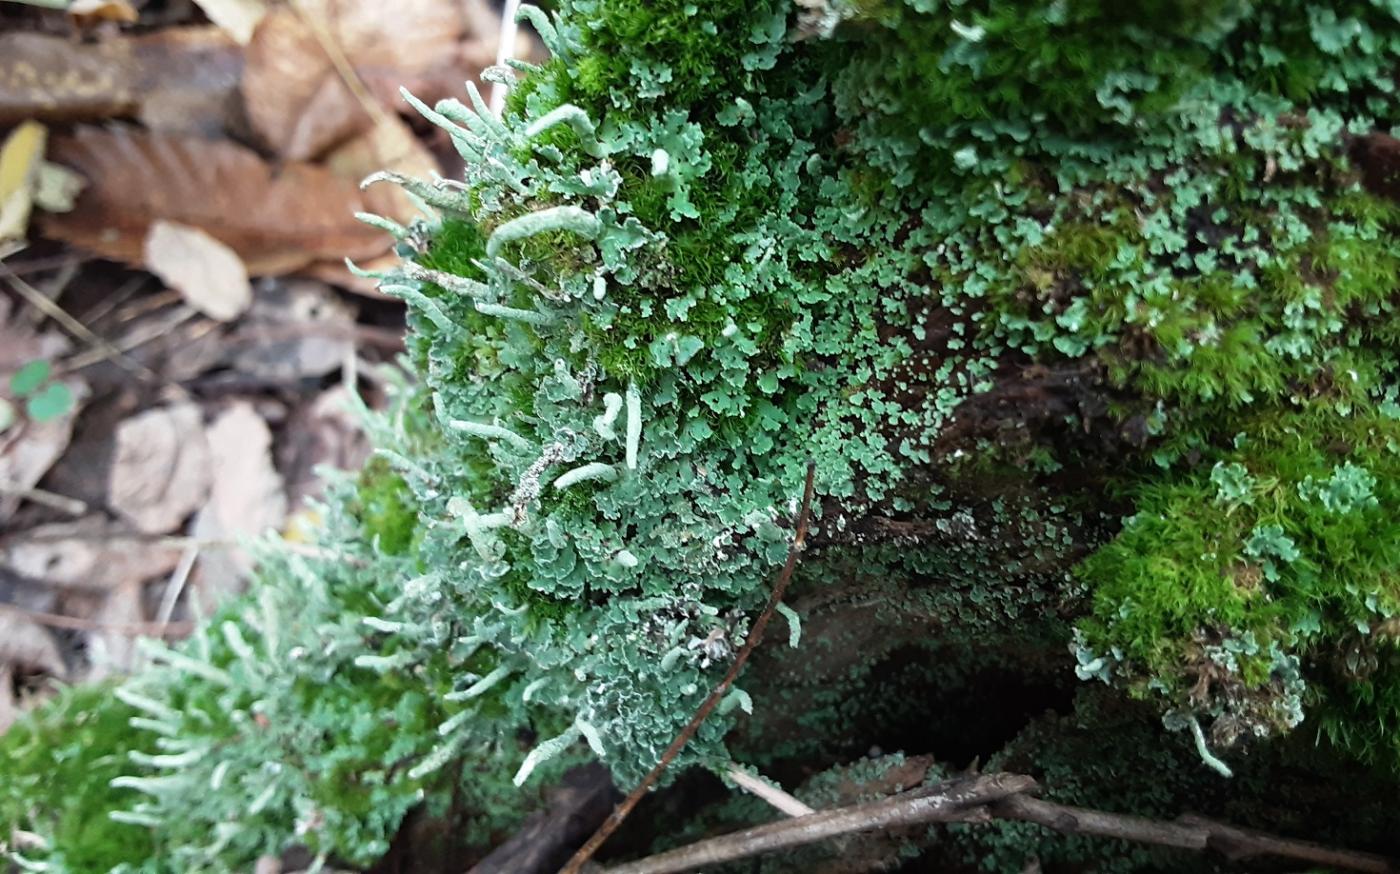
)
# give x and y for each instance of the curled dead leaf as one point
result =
(161, 470)
(248, 500)
(206, 273)
(86, 13)
(302, 104)
(276, 221)
(92, 553)
(24, 643)
(237, 18)
(388, 145)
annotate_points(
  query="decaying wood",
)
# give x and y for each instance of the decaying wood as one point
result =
(545, 839)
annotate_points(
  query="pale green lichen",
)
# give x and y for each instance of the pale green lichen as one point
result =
(760, 234)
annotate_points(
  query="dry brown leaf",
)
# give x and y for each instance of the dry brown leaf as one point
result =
(88, 553)
(21, 158)
(25, 643)
(206, 273)
(86, 13)
(247, 500)
(389, 145)
(337, 274)
(237, 18)
(29, 449)
(295, 97)
(276, 222)
(174, 79)
(161, 469)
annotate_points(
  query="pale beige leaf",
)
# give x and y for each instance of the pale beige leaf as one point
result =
(206, 273)
(275, 221)
(161, 471)
(25, 643)
(297, 329)
(20, 159)
(93, 553)
(112, 649)
(237, 18)
(247, 500)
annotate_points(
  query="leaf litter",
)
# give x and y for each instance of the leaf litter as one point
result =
(182, 194)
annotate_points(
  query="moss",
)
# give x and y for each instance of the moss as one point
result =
(1285, 550)
(56, 766)
(386, 509)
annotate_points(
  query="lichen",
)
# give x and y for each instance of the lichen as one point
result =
(1030, 283)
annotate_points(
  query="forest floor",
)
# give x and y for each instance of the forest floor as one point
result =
(178, 334)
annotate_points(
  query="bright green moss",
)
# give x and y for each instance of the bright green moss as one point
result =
(1221, 588)
(385, 507)
(56, 766)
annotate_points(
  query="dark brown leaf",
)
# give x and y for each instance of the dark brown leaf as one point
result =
(275, 221)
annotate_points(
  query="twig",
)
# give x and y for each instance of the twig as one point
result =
(712, 700)
(954, 801)
(73, 623)
(1005, 798)
(1187, 833)
(36, 299)
(765, 791)
(52, 500)
(176, 585)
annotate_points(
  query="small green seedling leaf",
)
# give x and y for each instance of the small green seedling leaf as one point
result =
(51, 403)
(28, 378)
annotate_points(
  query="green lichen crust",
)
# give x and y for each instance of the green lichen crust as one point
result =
(835, 238)
(1008, 271)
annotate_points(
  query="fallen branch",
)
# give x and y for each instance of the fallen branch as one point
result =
(619, 814)
(1187, 833)
(1001, 797)
(773, 795)
(954, 801)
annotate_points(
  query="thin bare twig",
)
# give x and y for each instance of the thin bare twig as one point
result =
(953, 801)
(712, 700)
(73, 623)
(176, 585)
(36, 298)
(773, 795)
(1007, 798)
(1187, 833)
(52, 500)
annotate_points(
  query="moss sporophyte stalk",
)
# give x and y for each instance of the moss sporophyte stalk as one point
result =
(1086, 310)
